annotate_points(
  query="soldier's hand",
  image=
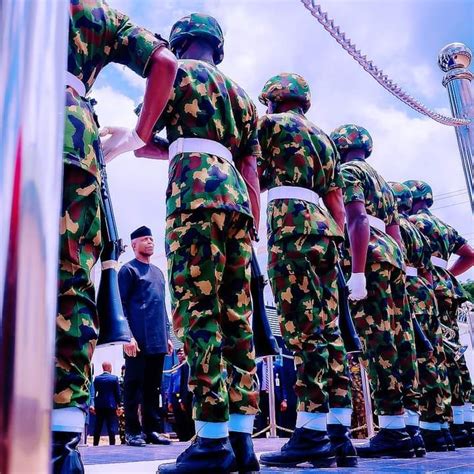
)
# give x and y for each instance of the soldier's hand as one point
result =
(170, 408)
(170, 347)
(120, 140)
(131, 349)
(92, 410)
(357, 287)
(283, 405)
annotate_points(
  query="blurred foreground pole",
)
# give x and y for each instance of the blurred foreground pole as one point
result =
(454, 59)
(33, 52)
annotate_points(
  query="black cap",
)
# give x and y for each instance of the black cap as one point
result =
(142, 231)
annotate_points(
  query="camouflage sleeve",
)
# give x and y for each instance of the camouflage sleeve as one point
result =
(337, 178)
(250, 144)
(456, 241)
(264, 130)
(133, 45)
(392, 210)
(353, 188)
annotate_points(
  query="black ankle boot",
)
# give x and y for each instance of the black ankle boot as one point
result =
(469, 425)
(346, 455)
(461, 437)
(66, 458)
(305, 445)
(434, 440)
(247, 462)
(388, 443)
(417, 440)
(449, 439)
(203, 456)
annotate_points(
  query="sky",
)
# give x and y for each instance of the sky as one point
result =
(263, 38)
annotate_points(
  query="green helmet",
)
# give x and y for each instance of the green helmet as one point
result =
(352, 137)
(198, 25)
(403, 196)
(420, 191)
(286, 86)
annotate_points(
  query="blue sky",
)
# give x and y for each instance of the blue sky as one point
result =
(265, 37)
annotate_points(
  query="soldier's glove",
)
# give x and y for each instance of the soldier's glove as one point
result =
(121, 140)
(356, 286)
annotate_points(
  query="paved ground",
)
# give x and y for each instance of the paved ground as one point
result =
(122, 459)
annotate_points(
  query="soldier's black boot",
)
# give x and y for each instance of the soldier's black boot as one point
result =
(461, 437)
(388, 443)
(449, 439)
(305, 445)
(435, 440)
(346, 455)
(417, 440)
(203, 456)
(247, 462)
(66, 457)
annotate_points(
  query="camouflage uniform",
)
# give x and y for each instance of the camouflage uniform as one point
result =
(444, 241)
(302, 239)
(98, 35)
(207, 237)
(436, 394)
(383, 319)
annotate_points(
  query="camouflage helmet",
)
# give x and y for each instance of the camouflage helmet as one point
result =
(403, 196)
(420, 191)
(198, 25)
(286, 86)
(352, 137)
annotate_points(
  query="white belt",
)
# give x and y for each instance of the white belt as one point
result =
(199, 145)
(439, 262)
(411, 271)
(376, 222)
(293, 192)
(76, 84)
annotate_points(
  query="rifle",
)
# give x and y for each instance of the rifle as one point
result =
(422, 343)
(114, 327)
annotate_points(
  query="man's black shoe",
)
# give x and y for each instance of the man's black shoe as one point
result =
(346, 455)
(449, 439)
(66, 458)
(462, 439)
(305, 445)
(155, 438)
(242, 445)
(203, 456)
(388, 443)
(435, 440)
(417, 440)
(135, 440)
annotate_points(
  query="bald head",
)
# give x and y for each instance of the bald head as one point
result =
(106, 366)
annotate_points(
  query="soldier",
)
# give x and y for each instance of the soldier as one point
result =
(377, 287)
(300, 167)
(444, 241)
(98, 35)
(212, 208)
(436, 395)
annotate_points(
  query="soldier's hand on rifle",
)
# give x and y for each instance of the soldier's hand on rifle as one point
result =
(120, 140)
(131, 349)
(92, 410)
(356, 286)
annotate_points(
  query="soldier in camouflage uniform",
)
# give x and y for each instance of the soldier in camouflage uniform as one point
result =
(212, 208)
(435, 402)
(98, 35)
(377, 287)
(444, 241)
(299, 167)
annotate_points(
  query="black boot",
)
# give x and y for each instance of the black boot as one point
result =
(156, 438)
(435, 440)
(346, 455)
(417, 440)
(449, 439)
(66, 457)
(203, 456)
(462, 438)
(388, 443)
(304, 445)
(470, 429)
(247, 462)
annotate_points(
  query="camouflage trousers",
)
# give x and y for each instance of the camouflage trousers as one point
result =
(435, 404)
(77, 320)
(303, 276)
(209, 273)
(383, 322)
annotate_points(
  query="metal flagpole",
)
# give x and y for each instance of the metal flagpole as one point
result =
(271, 397)
(33, 41)
(369, 418)
(454, 59)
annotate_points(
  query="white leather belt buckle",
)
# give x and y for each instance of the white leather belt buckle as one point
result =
(376, 223)
(76, 84)
(199, 145)
(411, 271)
(439, 262)
(293, 192)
